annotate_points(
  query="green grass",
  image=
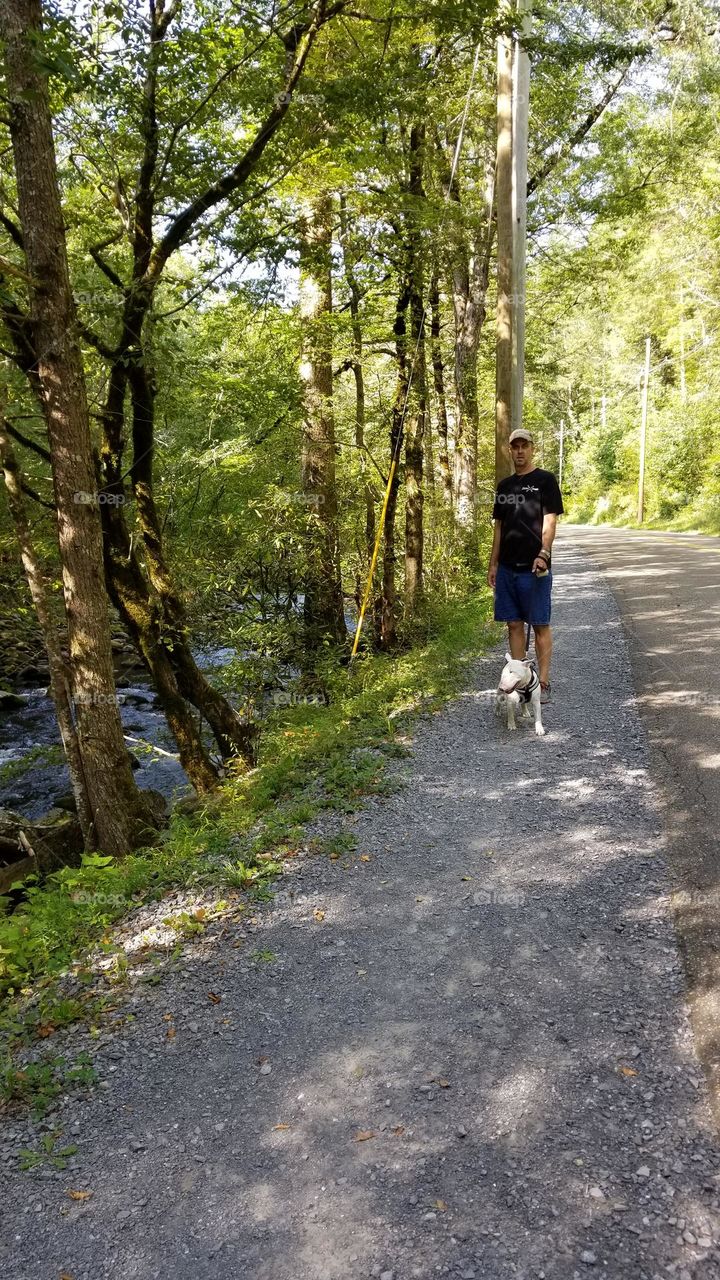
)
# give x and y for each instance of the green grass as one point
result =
(312, 758)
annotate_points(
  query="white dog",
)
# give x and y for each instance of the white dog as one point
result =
(519, 687)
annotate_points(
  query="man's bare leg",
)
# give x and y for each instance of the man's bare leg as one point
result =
(543, 649)
(516, 639)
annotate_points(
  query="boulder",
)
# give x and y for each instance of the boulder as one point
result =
(10, 701)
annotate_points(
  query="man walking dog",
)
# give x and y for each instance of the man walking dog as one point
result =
(527, 505)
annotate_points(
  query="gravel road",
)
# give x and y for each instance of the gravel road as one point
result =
(470, 1055)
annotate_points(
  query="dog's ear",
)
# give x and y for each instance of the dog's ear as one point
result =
(508, 658)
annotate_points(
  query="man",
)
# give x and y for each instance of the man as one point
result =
(527, 505)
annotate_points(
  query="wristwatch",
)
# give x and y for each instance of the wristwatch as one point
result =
(544, 554)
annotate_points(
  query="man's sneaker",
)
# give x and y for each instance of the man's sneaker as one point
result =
(544, 693)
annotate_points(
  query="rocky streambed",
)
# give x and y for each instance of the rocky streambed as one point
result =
(35, 793)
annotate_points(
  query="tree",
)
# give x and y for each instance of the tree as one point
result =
(323, 607)
(115, 814)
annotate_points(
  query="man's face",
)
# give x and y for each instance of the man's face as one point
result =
(522, 454)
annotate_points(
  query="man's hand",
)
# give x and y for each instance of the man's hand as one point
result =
(539, 564)
(492, 575)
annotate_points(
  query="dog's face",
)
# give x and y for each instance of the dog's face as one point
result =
(515, 674)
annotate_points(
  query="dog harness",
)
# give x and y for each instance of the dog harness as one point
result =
(527, 692)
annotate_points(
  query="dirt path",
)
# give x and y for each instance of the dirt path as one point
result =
(476, 1063)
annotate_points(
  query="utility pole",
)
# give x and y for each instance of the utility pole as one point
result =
(643, 435)
(520, 109)
(503, 188)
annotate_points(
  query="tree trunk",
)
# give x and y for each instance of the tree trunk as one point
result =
(59, 672)
(470, 267)
(233, 736)
(323, 609)
(438, 366)
(368, 490)
(416, 418)
(388, 611)
(121, 816)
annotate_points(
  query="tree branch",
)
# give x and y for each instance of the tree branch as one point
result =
(183, 223)
(39, 449)
(577, 136)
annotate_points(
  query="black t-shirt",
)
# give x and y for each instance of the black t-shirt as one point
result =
(520, 503)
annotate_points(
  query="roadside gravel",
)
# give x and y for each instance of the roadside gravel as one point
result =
(463, 1050)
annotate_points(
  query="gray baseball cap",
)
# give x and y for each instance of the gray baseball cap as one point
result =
(521, 434)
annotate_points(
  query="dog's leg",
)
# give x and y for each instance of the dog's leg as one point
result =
(538, 714)
(512, 699)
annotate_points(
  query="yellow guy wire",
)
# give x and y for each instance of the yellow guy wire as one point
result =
(394, 460)
(373, 562)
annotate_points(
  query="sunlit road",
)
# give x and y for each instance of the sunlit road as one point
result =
(667, 587)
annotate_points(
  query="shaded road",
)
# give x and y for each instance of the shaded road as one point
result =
(667, 587)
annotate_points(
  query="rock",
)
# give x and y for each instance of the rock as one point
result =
(588, 1257)
(66, 802)
(35, 673)
(11, 701)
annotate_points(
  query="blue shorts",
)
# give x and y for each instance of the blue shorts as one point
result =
(520, 596)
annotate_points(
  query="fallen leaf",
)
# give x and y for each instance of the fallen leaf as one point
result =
(441, 1205)
(80, 1195)
(281, 1126)
(362, 1135)
(65, 1275)
(167, 1017)
(263, 1059)
(466, 877)
(212, 995)
(46, 1029)
(171, 1033)
(365, 857)
(200, 914)
(627, 1071)
(318, 914)
(399, 1128)
(359, 1072)
(444, 1084)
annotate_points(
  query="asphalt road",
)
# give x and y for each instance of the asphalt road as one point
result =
(667, 588)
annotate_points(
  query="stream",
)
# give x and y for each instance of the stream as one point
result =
(33, 775)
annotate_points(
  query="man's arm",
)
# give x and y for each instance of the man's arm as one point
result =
(549, 530)
(495, 553)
